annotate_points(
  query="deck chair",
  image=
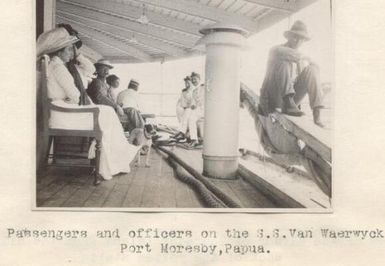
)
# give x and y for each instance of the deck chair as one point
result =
(46, 134)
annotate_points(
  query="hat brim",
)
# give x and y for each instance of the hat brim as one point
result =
(101, 64)
(289, 33)
(59, 47)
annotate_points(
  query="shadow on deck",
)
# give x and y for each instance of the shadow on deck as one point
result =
(153, 187)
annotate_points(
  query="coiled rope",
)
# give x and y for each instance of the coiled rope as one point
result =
(199, 177)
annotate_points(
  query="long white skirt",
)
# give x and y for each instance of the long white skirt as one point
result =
(116, 153)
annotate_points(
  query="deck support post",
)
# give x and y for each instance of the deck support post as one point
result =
(223, 45)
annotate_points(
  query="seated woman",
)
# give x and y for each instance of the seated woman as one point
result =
(116, 152)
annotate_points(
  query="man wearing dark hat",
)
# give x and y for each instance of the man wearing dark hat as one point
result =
(98, 89)
(128, 100)
(289, 76)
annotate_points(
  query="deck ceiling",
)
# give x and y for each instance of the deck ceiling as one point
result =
(111, 27)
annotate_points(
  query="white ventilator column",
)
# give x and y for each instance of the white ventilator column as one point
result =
(223, 45)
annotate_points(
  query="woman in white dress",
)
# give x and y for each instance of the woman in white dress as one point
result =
(116, 152)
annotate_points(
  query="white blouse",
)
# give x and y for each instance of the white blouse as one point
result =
(61, 85)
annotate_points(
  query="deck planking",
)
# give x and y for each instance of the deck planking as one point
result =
(143, 187)
(238, 190)
(166, 188)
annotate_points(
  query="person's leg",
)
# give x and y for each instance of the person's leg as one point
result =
(184, 120)
(192, 126)
(282, 94)
(200, 125)
(179, 113)
(308, 81)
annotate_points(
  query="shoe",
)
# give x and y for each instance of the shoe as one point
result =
(178, 136)
(193, 144)
(317, 117)
(98, 180)
(289, 106)
(156, 137)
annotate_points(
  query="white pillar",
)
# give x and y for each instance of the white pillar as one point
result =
(220, 147)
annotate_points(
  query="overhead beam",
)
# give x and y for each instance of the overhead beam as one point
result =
(204, 11)
(120, 59)
(130, 13)
(108, 40)
(122, 33)
(107, 32)
(158, 38)
(288, 6)
(90, 53)
(107, 50)
(275, 15)
(280, 5)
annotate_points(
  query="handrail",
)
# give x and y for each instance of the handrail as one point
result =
(252, 100)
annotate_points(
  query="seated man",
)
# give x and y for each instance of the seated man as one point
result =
(98, 90)
(128, 100)
(287, 79)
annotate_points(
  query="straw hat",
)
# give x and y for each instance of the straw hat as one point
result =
(54, 40)
(71, 31)
(104, 62)
(299, 29)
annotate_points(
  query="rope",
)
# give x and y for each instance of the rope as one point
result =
(216, 191)
(205, 195)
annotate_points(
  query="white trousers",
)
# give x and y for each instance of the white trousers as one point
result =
(189, 121)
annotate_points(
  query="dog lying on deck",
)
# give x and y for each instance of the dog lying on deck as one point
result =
(142, 137)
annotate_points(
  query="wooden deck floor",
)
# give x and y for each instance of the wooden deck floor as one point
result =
(143, 187)
(238, 190)
(154, 187)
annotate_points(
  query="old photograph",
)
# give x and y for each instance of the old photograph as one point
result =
(184, 105)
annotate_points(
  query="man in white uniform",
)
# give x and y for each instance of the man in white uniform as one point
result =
(128, 100)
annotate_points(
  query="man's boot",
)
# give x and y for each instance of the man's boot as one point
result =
(289, 106)
(317, 116)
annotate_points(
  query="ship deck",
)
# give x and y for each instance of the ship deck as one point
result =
(153, 187)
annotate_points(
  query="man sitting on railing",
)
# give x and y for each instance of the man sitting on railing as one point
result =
(287, 79)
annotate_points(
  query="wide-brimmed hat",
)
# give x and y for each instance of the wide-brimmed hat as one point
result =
(71, 31)
(54, 40)
(104, 62)
(299, 29)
